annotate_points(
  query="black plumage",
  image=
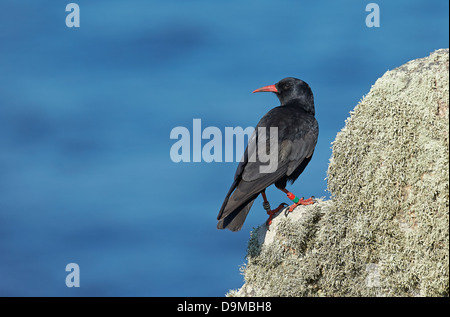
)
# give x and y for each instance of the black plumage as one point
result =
(297, 137)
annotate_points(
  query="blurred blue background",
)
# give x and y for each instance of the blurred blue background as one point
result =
(86, 113)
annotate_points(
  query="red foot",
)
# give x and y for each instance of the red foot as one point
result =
(303, 202)
(273, 212)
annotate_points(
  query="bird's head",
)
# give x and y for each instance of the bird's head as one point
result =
(290, 90)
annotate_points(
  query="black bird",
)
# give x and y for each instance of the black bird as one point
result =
(298, 131)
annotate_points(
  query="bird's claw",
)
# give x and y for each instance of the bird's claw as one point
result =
(302, 201)
(271, 213)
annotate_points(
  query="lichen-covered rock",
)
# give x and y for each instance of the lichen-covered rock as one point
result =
(391, 162)
(386, 230)
(283, 261)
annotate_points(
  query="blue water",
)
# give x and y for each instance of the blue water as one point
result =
(86, 114)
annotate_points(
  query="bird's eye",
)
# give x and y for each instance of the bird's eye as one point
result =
(287, 87)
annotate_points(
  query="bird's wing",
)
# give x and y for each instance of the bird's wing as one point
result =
(294, 141)
(248, 181)
(301, 149)
(264, 154)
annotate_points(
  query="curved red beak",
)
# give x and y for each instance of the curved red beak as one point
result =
(270, 88)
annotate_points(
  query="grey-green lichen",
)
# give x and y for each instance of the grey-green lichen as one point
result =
(386, 230)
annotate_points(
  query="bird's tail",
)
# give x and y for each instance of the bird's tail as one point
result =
(235, 219)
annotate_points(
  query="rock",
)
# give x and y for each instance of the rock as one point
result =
(385, 232)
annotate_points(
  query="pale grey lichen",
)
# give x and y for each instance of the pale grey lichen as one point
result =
(386, 230)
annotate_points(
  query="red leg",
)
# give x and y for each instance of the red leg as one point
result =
(297, 201)
(270, 212)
